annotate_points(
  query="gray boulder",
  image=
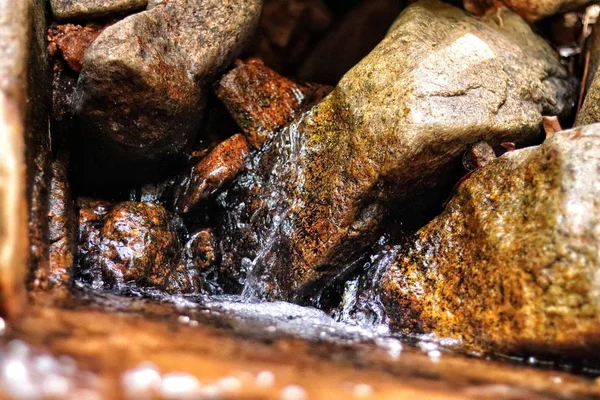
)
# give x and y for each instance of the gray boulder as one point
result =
(512, 264)
(143, 86)
(392, 133)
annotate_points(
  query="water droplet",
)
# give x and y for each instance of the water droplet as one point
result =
(265, 379)
(293, 392)
(362, 390)
(179, 385)
(230, 384)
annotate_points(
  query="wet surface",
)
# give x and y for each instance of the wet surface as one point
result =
(104, 346)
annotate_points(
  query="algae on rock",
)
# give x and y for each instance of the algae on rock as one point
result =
(391, 133)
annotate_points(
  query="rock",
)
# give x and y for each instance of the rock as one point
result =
(511, 264)
(530, 10)
(24, 146)
(350, 40)
(88, 9)
(61, 229)
(72, 41)
(289, 31)
(164, 60)
(213, 172)
(137, 244)
(200, 251)
(259, 99)
(478, 156)
(590, 111)
(391, 135)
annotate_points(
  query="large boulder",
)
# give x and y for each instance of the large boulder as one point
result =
(143, 85)
(391, 133)
(512, 264)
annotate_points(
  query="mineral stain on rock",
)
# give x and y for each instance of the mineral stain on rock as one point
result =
(142, 88)
(136, 243)
(511, 265)
(391, 134)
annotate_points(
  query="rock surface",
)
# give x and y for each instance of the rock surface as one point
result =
(392, 132)
(163, 59)
(512, 263)
(87, 9)
(211, 174)
(531, 10)
(61, 230)
(136, 243)
(350, 40)
(590, 109)
(259, 99)
(72, 41)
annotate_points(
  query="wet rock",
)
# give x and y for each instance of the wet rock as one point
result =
(478, 156)
(138, 244)
(72, 41)
(590, 110)
(87, 9)
(512, 263)
(24, 125)
(200, 251)
(350, 40)
(531, 10)
(289, 31)
(163, 60)
(391, 135)
(259, 99)
(61, 229)
(211, 174)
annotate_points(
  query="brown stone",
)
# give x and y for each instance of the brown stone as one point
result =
(511, 265)
(211, 174)
(259, 99)
(164, 60)
(61, 229)
(531, 10)
(478, 156)
(137, 244)
(200, 251)
(23, 124)
(72, 41)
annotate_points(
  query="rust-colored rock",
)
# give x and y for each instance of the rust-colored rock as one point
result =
(61, 229)
(218, 169)
(72, 41)
(137, 244)
(478, 156)
(200, 251)
(512, 263)
(259, 99)
(531, 10)
(145, 81)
